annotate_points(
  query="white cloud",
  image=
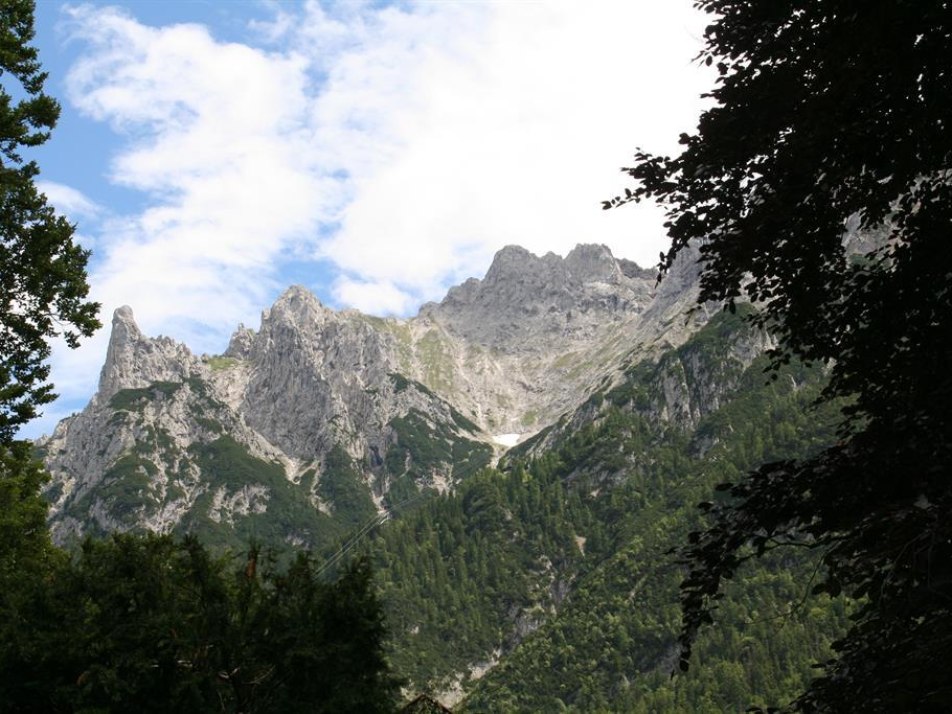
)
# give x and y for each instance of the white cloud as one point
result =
(433, 134)
(373, 297)
(214, 133)
(69, 201)
(497, 124)
(403, 144)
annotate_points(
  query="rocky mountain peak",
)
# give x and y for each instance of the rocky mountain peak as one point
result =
(241, 343)
(134, 361)
(587, 262)
(497, 360)
(593, 263)
(524, 296)
(297, 306)
(297, 296)
(517, 348)
(514, 262)
(124, 327)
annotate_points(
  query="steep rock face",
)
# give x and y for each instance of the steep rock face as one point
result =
(135, 361)
(537, 334)
(154, 401)
(80, 450)
(685, 385)
(346, 415)
(307, 416)
(317, 376)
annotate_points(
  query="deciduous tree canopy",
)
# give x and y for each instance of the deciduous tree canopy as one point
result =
(818, 186)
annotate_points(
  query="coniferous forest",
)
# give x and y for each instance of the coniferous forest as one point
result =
(757, 518)
(576, 544)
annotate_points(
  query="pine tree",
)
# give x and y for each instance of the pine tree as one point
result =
(43, 285)
(42, 294)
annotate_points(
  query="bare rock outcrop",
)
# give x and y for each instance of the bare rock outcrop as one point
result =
(338, 406)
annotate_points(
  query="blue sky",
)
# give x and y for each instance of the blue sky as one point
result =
(213, 153)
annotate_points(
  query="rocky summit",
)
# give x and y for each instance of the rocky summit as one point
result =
(323, 421)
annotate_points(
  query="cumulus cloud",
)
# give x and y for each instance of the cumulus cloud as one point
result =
(68, 200)
(429, 134)
(497, 124)
(214, 133)
(400, 145)
(368, 296)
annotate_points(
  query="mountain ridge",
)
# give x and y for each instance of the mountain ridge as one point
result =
(514, 588)
(403, 401)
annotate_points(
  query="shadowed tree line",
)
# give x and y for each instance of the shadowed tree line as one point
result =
(157, 624)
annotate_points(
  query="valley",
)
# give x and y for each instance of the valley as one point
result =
(518, 462)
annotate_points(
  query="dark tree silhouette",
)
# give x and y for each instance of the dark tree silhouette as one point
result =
(42, 295)
(43, 285)
(154, 624)
(818, 186)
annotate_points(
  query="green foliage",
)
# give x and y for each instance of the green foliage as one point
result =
(226, 462)
(43, 285)
(133, 398)
(570, 550)
(210, 425)
(779, 165)
(469, 457)
(126, 486)
(400, 383)
(43, 293)
(613, 643)
(403, 489)
(341, 485)
(155, 624)
(426, 446)
(463, 423)
(278, 511)
(218, 363)
(25, 548)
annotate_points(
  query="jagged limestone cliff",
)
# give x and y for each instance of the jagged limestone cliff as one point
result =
(321, 421)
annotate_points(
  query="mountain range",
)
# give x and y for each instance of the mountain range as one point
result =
(339, 413)
(518, 460)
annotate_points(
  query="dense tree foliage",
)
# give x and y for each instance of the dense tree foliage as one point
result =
(43, 285)
(558, 563)
(42, 294)
(156, 624)
(818, 186)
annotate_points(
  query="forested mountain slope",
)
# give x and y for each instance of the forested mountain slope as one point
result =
(543, 583)
(553, 572)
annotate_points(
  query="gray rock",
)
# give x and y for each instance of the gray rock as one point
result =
(511, 353)
(134, 361)
(240, 344)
